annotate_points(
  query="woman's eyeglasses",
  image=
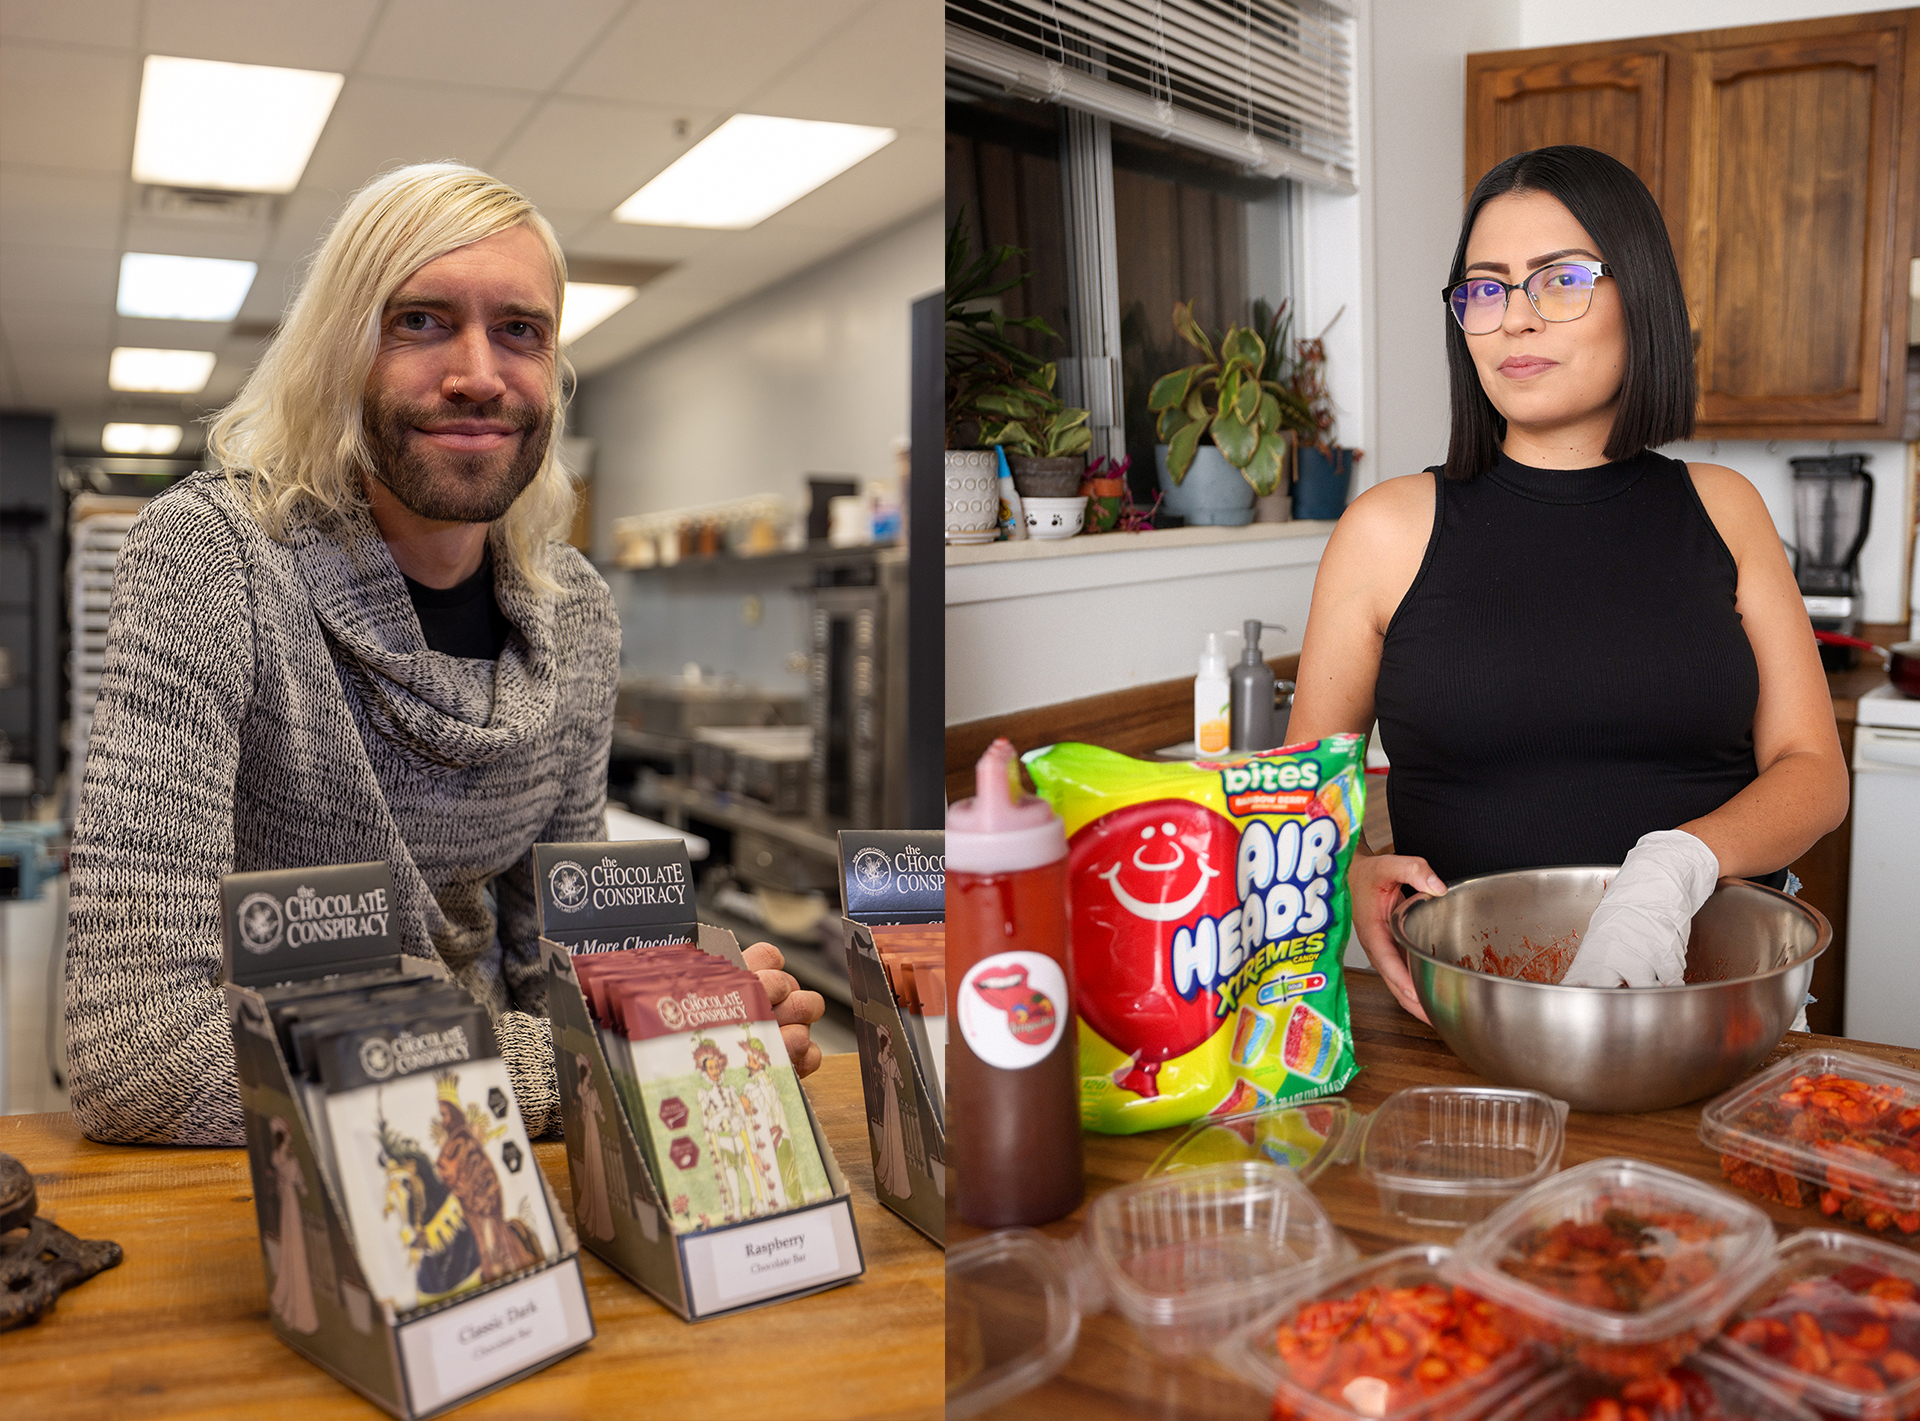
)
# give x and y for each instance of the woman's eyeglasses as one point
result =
(1561, 292)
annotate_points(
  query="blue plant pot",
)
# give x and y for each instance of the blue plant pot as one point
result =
(1213, 492)
(1320, 488)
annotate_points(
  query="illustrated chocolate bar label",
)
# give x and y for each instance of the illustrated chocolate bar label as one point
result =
(608, 897)
(282, 925)
(894, 875)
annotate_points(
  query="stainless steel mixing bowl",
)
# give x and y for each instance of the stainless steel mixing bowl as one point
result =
(1645, 1048)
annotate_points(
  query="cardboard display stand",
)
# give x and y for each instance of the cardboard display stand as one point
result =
(609, 897)
(892, 878)
(298, 926)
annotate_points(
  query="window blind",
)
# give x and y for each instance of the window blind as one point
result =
(1266, 83)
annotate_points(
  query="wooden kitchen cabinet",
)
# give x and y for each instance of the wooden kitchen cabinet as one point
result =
(1784, 158)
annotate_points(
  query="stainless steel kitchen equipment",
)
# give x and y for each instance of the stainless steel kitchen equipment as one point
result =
(673, 708)
(847, 705)
(1629, 1049)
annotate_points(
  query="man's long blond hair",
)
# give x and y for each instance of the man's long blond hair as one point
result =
(296, 432)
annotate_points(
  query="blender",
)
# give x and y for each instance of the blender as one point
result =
(1832, 507)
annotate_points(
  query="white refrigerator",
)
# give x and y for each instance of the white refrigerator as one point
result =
(1883, 892)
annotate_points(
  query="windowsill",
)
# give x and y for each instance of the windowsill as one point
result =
(994, 572)
(966, 555)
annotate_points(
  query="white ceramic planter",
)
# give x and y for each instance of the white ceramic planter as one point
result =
(972, 496)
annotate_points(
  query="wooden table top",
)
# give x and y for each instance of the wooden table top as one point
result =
(181, 1327)
(1114, 1374)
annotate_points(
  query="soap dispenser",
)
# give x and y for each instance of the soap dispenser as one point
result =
(1251, 695)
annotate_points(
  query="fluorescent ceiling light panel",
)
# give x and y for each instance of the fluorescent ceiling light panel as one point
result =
(183, 288)
(749, 168)
(235, 127)
(141, 438)
(181, 372)
(587, 304)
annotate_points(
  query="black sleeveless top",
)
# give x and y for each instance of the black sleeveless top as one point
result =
(1567, 671)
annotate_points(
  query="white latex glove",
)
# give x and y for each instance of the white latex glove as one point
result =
(1637, 937)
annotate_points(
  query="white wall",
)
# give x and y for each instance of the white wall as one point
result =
(1031, 633)
(807, 376)
(1544, 22)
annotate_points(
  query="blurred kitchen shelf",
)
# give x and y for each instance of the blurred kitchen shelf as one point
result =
(628, 741)
(733, 812)
(805, 565)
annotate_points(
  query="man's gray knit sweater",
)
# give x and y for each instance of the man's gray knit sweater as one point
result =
(272, 704)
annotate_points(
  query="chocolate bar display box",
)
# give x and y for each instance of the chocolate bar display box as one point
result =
(895, 887)
(597, 898)
(326, 934)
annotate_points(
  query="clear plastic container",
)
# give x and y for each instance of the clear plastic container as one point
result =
(1706, 1388)
(1303, 1138)
(1858, 1351)
(1451, 1155)
(1622, 1266)
(1354, 1378)
(1863, 1170)
(1012, 1317)
(1190, 1256)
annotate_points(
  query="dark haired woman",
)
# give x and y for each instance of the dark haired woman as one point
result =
(1577, 649)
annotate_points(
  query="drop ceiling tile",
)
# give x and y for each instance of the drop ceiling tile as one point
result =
(901, 178)
(56, 376)
(67, 108)
(270, 295)
(54, 207)
(525, 46)
(588, 153)
(643, 325)
(884, 68)
(644, 57)
(326, 36)
(186, 237)
(623, 241)
(305, 216)
(57, 274)
(30, 324)
(169, 335)
(381, 123)
(99, 23)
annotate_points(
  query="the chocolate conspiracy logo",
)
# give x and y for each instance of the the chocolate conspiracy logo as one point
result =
(873, 870)
(261, 922)
(567, 886)
(406, 1053)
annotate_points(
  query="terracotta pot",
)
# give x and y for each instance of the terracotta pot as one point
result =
(1047, 478)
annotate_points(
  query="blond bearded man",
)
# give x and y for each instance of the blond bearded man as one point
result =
(360, 638)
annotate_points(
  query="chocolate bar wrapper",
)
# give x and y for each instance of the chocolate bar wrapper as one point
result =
(441, 1187)
(731, 1133)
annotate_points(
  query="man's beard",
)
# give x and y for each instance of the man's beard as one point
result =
(450, 487)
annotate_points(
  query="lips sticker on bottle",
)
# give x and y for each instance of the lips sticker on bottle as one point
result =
(1140, 874)
(1013, 1008)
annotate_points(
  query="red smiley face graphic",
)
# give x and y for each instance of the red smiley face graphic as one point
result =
(1138, 875)
(1030, 1014)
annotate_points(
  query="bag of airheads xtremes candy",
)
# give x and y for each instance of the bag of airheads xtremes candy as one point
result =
(1210, 917)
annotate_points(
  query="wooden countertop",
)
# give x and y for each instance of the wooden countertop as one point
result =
(1114, 1374)
(180, 1327)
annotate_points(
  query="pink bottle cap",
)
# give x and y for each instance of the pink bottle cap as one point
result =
(997, 832)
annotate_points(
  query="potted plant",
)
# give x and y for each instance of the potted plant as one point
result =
(1325, 470)
(981, 362)
(1227, 421)
(1045, 440)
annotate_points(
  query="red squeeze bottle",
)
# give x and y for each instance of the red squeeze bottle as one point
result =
(1013, 1089)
